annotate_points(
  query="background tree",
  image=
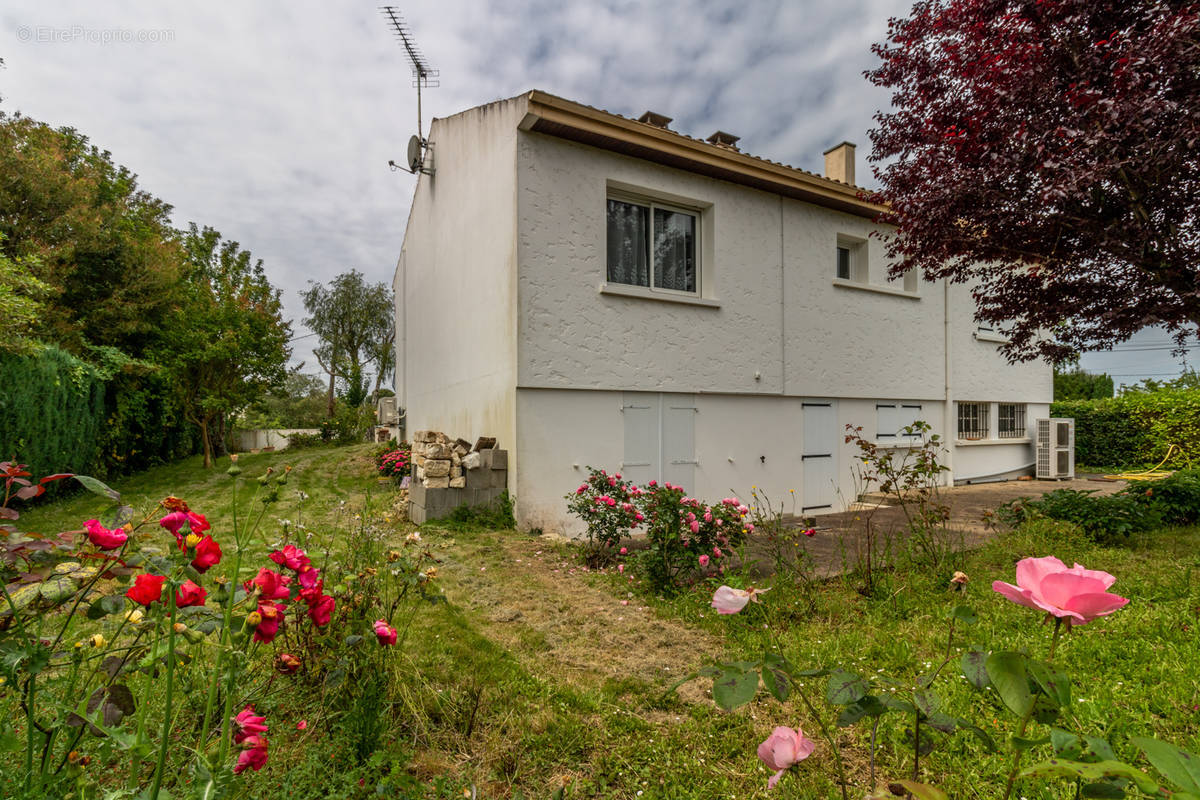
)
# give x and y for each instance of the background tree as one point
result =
(20, 305)
(227, 345)
(79, 223)
(1047, 152)
(298, 403)
(351, 318)
(1075, 384)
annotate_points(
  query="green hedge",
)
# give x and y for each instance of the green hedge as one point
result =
(1135, 429)
(51, 412)
(61, 414)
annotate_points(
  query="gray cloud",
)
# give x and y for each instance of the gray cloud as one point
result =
(274, 122)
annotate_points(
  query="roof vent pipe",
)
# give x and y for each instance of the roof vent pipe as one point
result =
(656, 119)
(839, 163)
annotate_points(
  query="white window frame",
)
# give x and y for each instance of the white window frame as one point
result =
(857, 251)
(652, 203)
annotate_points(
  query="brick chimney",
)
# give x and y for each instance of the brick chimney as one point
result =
(839, 163)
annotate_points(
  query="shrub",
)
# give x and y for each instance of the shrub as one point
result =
(394, 462)
(606, 503)
(1105, 519)
(297, 441)
(1175, 498)
(1135, 429)
(495, 517)
(685, 535)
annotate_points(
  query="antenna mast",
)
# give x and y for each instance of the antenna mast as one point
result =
(423, 74)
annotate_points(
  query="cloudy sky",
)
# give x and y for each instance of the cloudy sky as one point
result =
(274, 122)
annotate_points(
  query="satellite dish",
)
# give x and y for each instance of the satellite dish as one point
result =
(414, 153)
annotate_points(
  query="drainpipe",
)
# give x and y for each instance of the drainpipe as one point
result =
(951, 426)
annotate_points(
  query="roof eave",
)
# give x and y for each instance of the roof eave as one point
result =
(555, 116)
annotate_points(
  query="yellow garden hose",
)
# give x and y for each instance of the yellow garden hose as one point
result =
(1151, 474)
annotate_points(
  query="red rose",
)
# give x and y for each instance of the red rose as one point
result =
(208, 554)
(271, 585)
(104, 538)
(321, 610)
(190, 594)
(268, 626)
(146, 588)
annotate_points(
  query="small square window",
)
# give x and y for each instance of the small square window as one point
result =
(850, 259)
(972, 420)
(652, 245)
(1010, 421)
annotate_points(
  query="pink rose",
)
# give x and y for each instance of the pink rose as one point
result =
(810, 532)
(623, 550)
(695, 526)
(727, 600)
(104, 538)
(703, 561)
(247, 724)
(385, 633)
(783, 748)
(291, 557)
(708, 516)
(321, 610)
(302, 725)
(620, 567)
(254, 756)
(1079, 595)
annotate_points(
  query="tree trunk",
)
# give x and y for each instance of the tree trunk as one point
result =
(207, 443)
(329, 408)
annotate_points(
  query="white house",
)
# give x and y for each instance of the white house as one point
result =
(597, 290)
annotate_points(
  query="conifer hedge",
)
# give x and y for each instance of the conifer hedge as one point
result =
(59, 413)
(51, 412)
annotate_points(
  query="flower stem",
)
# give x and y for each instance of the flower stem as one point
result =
(30, 694)
(1016, 765)
(837, 755)
(166, 729)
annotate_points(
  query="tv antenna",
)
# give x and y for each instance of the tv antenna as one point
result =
(423, 75)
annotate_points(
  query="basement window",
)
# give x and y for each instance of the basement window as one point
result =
(972, 421)
(1010, 421)
(653, 245)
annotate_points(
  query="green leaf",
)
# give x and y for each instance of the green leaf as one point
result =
(1028, 744)
(979, 733)
(116, 516)
(56, 589)
(974, 668)
(894, 703)
(926, 701)
(776, 682)
(923, 791)
(1066, 744)
(1076, 770)
(1176, 764)
(97, 487)
(352, 639)
(964, 614)
(1006, 671)
(733, 689)
(1100, 748)
(941, 722)
(1103, 789)
(867, 706)
(1053, 682)
(844, 688)
(109, 604)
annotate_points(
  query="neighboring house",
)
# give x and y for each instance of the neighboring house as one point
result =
(599, 291)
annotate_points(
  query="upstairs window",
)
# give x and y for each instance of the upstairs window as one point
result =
(850, 259)
(843, 262)
(652, 245)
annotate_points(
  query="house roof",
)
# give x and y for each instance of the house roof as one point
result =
(556, 116)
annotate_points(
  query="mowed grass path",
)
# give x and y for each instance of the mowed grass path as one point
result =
(540, 676)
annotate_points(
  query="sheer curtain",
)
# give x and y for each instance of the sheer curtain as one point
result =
(674, 250)
(628, 239)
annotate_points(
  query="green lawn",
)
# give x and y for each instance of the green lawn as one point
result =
(509, 708)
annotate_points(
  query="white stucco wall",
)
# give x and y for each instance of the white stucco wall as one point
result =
(455, 283)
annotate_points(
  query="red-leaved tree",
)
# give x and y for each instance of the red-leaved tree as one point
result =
(1047, 152)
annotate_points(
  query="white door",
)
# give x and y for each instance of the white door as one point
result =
(641, 412)
(679, 440)
(660, 438)
(820, 456)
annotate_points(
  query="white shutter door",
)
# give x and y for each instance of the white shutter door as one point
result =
(820, 456)
(641, 417)
(679, 440)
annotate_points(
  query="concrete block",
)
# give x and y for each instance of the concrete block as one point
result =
(416, 513)
(499, 459)
(437, 469)
(416, 492)
(437, 483)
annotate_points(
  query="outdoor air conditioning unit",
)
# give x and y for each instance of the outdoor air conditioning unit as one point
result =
(388, 414)
(1056, 449)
